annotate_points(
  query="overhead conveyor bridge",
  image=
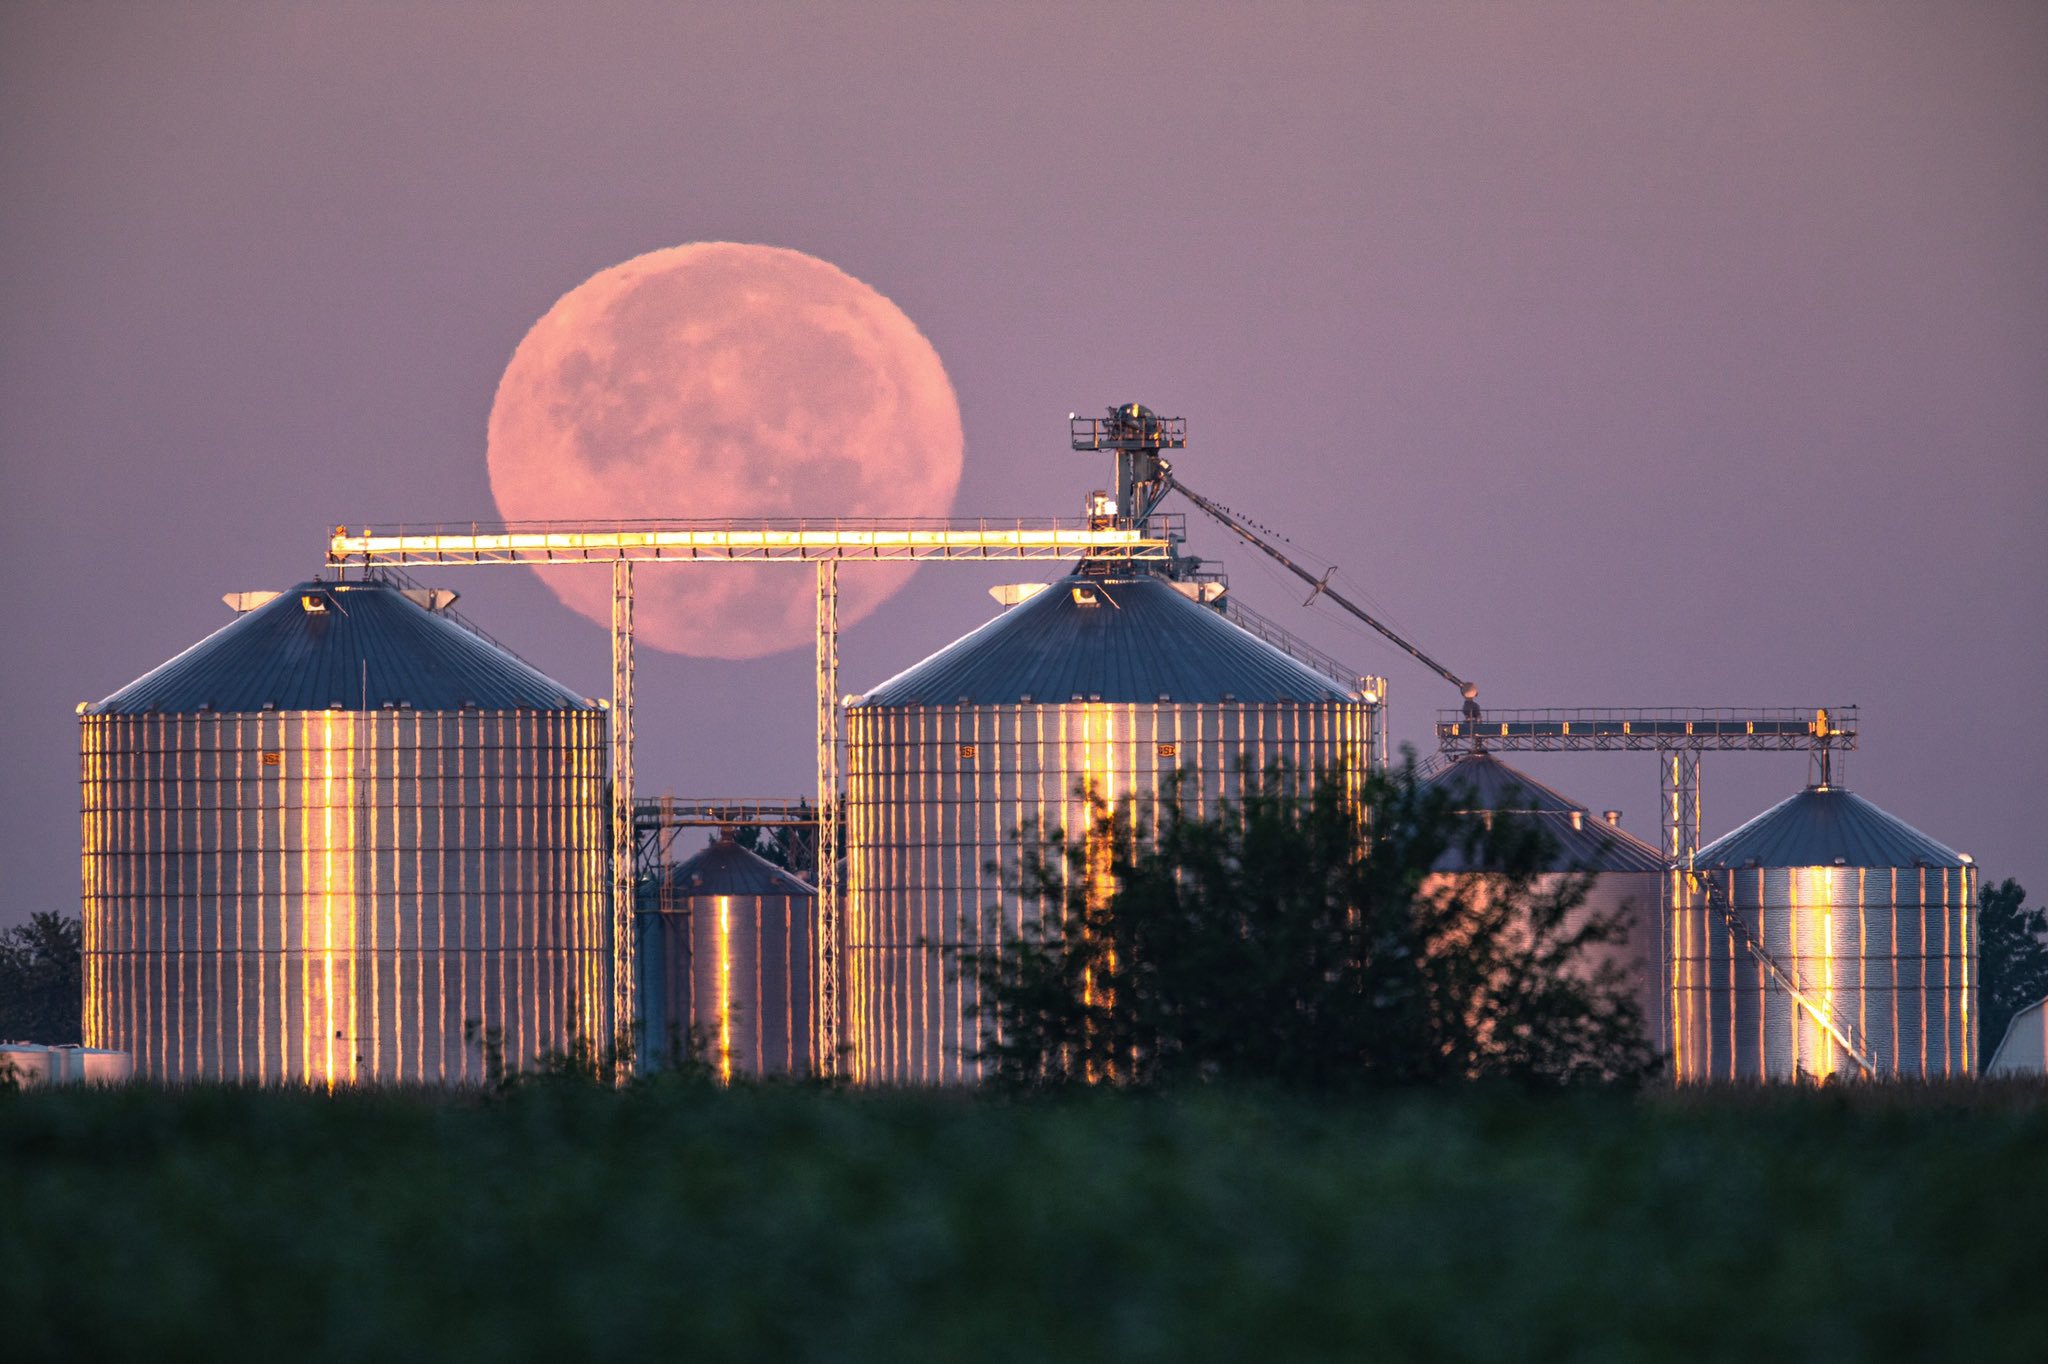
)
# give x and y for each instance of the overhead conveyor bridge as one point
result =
(1615, 729)
(824, 544)
(737, 541)
(1679, 734)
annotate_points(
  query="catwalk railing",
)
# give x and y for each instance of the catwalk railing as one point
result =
(741, 541)
(1651, 729)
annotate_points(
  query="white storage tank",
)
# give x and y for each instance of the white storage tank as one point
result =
(727, 949)
(95, 1065)
(30, 1064)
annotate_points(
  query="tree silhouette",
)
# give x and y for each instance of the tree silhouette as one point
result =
(1298, 937)
(41, 980)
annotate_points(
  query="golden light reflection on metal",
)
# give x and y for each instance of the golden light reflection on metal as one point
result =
(326, 897)
(1964, 918)
(923, 822)
(327, 928)
(1859, 967)
(725, 989)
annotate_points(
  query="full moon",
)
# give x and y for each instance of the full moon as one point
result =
(721, 380)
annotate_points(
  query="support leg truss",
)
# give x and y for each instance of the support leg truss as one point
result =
(1680, 795)
(625, 1004)
(828, 817)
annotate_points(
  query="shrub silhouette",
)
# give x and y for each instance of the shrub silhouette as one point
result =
(1297, 937)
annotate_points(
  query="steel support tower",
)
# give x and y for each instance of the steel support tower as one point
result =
(827, 1040)
(625, 984)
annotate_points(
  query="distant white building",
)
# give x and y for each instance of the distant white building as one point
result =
(2026, 1042)
(30, 1063)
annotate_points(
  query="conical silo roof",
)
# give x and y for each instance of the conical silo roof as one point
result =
(360, 645)
(1826, 826)
(723, 867)
(1130, 639)
(1486, 785)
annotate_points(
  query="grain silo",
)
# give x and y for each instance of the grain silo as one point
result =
(331, 839)
(1627, 874)
(1106, 681)
(727, 947)
(1825, 937)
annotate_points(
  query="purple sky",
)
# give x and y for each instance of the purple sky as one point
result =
(1625, 354)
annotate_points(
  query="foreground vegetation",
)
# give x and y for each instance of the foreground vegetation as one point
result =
(1294, 936)
(1267, 1098)
(679, 1220)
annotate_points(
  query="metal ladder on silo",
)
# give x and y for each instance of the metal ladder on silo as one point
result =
(1841, 1030)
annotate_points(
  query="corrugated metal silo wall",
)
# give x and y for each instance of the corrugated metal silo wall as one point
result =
(1886, 955)
(1638, 897)
(739, 970)
(934, 793)
(335, 896)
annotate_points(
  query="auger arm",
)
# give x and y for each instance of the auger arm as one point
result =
(1320, 586)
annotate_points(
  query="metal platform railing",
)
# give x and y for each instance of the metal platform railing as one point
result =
(682, 812)
(1725, 728)
(1300, 650)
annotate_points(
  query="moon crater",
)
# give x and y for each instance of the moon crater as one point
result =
(719, 380)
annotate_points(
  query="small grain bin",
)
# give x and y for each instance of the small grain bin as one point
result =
(31, 1063)
(1825, 937)
(727, 946)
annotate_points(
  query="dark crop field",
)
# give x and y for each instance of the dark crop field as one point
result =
(676, 1221)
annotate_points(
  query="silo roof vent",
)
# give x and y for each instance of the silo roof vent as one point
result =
(1484, 786)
